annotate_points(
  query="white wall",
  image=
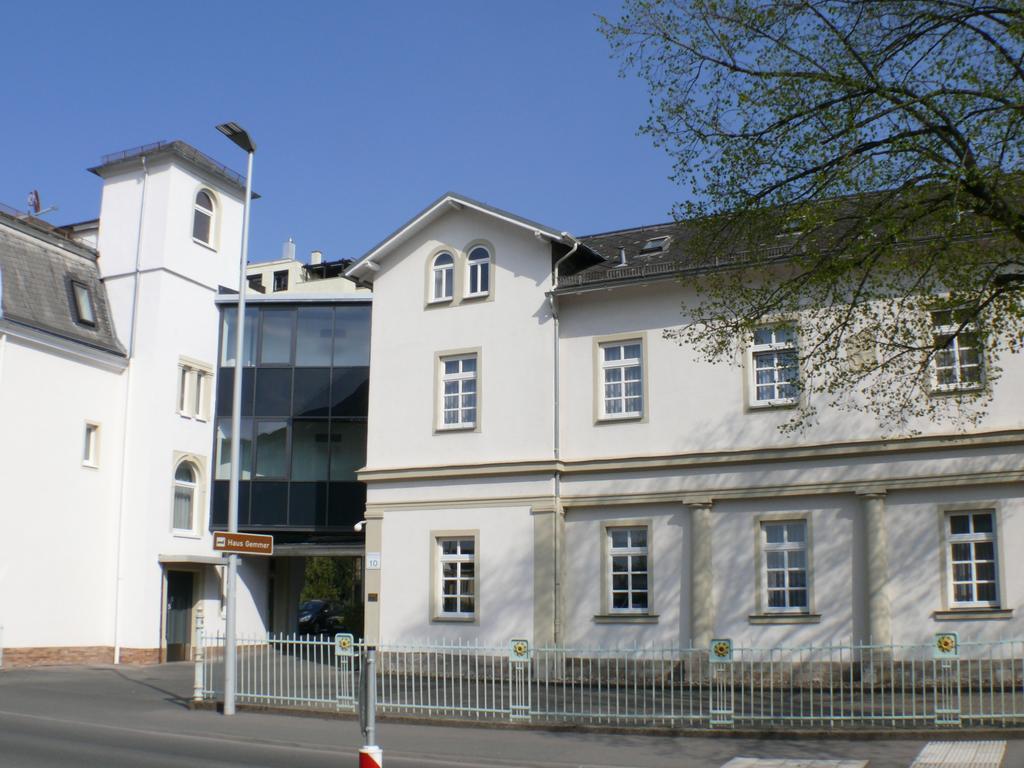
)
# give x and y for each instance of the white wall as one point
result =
(512, 330)
(504, 581)
(56, 553)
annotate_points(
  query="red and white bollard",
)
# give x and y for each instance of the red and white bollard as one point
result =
(370, 755)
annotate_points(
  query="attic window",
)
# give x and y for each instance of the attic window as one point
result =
(84, 313)
(656, 245)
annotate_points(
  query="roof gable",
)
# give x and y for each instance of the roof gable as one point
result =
(368, 264)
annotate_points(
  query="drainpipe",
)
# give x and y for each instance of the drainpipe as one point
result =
(132, 332)
(557, 442)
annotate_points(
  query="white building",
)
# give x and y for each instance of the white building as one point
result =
(108, 348)
(542, 463)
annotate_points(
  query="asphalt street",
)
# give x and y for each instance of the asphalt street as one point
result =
(139, 716)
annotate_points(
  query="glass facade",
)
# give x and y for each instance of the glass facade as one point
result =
(305, 380)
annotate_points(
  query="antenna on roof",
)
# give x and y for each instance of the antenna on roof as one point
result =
(35, 204)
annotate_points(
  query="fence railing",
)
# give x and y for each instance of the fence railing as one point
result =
(818, 686)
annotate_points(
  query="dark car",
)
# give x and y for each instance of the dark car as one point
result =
(320, 617)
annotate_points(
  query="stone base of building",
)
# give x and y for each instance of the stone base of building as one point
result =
(76, 654)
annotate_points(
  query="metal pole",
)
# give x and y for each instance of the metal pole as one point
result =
(236, 419)
(370, 755)
(199, 681)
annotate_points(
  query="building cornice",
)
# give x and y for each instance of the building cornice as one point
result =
(697, 460)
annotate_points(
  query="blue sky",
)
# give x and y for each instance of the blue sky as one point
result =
(363, 113)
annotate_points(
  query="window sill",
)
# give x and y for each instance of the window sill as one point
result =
(626, 618)
(968, 614)
(90, 465)
(178, 534)
(772, 404)
(472, 296)
(207, 246)
(439, 302)
(454, 619)
(973, 389)
(616, 419)
(456, 428)
(784, 618)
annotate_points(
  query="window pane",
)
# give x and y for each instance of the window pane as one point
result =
(797, 579)
(184, 473)
(224, 450)
(310, 450)
(959, 524)
(795, 531)
(350, 389)
(183, 507)
(982, 523)
(312, 395)
(987, 592)
(313, 340)
(776, 599)
(351, 336)
(774, 533)
(798, 598)
(631, 351)
(640, 600)
(640, 581)
(638, 537)
(273, 392)
(620, 581)
(963, 593)
(985, 571)
(271, 449)
(620, 564)
(620, 600)
(201, 226)
(797, 559)
(620, 537)
(962, 572)
(984, 550)
(611, 354)
(776, 560)
(348, 449)
(763, 336)
(961, 552)
(276, 339)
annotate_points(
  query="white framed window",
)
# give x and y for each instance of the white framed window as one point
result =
(442, 277)
(784, 573)
(456, 576)
(622, 385)
(971, 548)
(91, 445)
(773, 366)
(194, 390)
(85, 314)
(957, 362)
(458, 407)
(628, 574)
(478, 267)
(202, 218)
(185, 484)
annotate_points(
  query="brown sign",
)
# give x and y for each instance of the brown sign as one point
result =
(243, 543)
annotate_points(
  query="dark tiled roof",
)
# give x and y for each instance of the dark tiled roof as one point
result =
(36, 269)
(638, 265)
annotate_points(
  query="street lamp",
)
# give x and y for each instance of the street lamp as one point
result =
(238, 135)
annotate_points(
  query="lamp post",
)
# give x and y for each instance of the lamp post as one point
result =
(238, 135)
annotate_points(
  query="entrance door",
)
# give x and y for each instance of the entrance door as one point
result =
(178, 624)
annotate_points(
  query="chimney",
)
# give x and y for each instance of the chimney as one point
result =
(288, 250)
(622, 258)
(316, 257)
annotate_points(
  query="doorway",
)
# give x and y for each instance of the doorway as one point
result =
(178, 622)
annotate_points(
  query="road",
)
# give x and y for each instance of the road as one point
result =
(138, 716)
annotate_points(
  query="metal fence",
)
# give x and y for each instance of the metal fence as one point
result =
(823, 686)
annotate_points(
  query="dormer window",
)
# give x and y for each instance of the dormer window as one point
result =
(202, 218)
(443, 271)
(84, 312)
(479, 266)
(656, 245)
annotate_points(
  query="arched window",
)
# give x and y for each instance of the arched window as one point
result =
(479, 283)
(184, 497)
(202, 218)
(444, 274)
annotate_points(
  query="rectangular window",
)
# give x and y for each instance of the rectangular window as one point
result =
(773, 365)
(194, 390)
(458, 392)
(971, 542)
(84, 312)
(784, 577)
(457, 577)
(90, 449)
(628, 572)
(622, 394)
(281, 281)
(256, 283)
(957, 364)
